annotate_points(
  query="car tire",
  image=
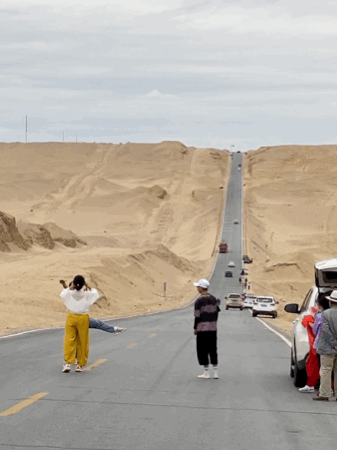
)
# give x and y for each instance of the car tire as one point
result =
(254, 314)
(300, 377)
(275, 315)
(227, 307)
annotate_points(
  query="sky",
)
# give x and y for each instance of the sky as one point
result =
(213, 73)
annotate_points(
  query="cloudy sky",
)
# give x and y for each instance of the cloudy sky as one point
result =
(209, 73)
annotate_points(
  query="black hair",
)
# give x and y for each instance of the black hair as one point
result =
(323, 301)
(78, 282)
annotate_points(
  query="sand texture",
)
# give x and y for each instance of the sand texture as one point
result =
(290, 198)
(127, 217)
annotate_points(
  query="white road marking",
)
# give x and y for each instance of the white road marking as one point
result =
(276, 332)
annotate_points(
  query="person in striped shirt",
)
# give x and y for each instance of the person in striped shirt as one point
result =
(206, 311)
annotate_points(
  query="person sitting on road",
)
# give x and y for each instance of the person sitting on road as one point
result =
(77, 299)
(206, 311)
(327, 348)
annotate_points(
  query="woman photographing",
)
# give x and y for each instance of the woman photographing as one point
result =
(78, 298)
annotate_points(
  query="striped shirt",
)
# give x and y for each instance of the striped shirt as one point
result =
(206, 311)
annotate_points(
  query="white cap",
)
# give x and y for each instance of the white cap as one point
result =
(333, 297)
(203, 283)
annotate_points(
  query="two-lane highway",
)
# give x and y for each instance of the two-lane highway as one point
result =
(144, 393)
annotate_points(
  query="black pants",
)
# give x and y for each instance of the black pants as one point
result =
(207, 348)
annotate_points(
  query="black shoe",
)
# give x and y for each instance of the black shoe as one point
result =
(321, 399)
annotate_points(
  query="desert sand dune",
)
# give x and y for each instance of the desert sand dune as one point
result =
(290, 215)
(143, 214)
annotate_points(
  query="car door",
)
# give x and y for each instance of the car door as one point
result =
(300, 334)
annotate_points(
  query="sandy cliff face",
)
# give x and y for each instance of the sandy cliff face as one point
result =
(149, 214)
(290, 216)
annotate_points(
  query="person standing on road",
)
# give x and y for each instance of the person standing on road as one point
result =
(78, 298)
(327, 349)
(312, 366)
(206, 311)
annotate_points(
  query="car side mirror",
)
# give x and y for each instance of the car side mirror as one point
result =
(292, 308)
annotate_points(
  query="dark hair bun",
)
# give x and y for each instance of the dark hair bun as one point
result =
(79, 282)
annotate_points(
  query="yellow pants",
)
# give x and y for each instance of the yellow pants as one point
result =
(76, 339)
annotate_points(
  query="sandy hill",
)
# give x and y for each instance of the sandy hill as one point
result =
(148, 213)
(290, 214)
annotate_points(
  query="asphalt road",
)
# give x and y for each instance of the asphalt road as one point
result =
(145, 394)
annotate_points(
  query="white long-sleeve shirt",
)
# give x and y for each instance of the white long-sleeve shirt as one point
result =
(79, 302)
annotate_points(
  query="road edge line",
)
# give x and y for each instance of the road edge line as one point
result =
(276, 332)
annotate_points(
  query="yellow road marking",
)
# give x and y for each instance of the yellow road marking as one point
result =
(131, 345)
(95, 364)
(152, 335)
(16, 408)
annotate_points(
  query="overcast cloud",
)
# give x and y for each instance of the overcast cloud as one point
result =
(210, 73)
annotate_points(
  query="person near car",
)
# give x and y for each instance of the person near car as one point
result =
(327, 348)
(312, 366)
(323, 305)
(206, 311)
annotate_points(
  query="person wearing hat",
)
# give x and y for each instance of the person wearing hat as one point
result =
(206, 311)
(327, 348)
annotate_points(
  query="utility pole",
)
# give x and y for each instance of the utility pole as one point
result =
(26, 128)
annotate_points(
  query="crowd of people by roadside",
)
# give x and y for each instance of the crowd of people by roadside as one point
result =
(321, 364)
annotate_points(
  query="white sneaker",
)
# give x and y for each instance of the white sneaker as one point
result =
(307, 389)
(119, 330)
(78, 368)
(205, 376)
(66, 368)
(215, 375)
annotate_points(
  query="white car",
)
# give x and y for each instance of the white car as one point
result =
(248, 301)
(325, 281)
(264, 305)
(231, 264)
(236, 221)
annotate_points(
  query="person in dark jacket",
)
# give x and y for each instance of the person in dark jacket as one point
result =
(206, 311)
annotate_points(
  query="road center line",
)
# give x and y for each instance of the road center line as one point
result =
(152, 335)
(131, 345)
(276, 332)
(95, 364)
(19, 406)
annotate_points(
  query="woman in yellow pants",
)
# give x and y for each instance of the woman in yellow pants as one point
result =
(77, 298)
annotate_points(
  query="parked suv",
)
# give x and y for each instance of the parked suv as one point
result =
(325, 281)
(234, 301)
(264, 305)
(246, 259)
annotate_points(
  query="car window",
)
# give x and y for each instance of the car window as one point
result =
(305, 303)
(264, 300)
(234, 296)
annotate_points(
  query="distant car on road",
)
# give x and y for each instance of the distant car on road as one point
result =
(325, 281)
(246, 259)
(229, 273)
(248, 301)
(239, 168)
(223, 247)
(236, 221)
(231, 264)
(264, 305)
(234, 301)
